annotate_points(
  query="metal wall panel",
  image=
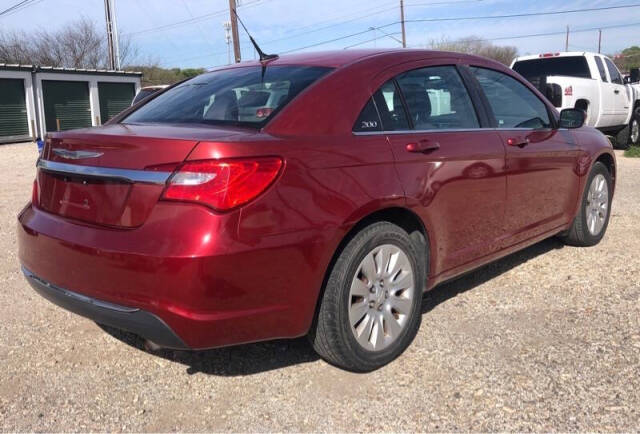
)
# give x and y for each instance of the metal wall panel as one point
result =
(114, 97)
(66, 104)
(13, 110)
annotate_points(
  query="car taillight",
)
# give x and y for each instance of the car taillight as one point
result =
(222, 184)
(568, 91)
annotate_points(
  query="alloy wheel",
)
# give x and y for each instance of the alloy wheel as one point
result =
(381, 297)
(597, 205)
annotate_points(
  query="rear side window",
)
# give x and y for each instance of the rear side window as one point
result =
(569, 66)
(603, 74)
(613, 72)
(247, 96)
(437, 99)
(368, 119)
(512, 103)
(390, 107)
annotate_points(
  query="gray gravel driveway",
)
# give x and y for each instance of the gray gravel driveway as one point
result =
(547, 339)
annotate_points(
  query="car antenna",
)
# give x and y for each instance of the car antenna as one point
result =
(263, 57)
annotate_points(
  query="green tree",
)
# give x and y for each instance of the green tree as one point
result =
(627, 59)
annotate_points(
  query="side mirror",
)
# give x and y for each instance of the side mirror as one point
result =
(572, 118)
(634, 75)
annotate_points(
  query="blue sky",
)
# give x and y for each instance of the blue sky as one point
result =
(282, 25)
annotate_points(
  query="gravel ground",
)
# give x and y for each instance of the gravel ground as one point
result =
(547, 339)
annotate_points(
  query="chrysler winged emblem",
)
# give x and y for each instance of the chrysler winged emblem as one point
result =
(76, 155)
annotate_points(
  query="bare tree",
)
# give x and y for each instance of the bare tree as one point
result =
(79, 44)
(477, 46)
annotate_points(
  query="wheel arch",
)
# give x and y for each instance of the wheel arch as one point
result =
(582, 102)
(610, 163)
(400, 216)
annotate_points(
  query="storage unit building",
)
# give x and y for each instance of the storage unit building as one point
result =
(35, 100)
(17, 109)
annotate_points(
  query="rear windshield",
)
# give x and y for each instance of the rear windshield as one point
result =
(568, 66)
(239, 96)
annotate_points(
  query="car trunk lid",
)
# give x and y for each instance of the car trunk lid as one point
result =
(114, 175)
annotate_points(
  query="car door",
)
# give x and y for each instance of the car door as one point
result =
(452, 171)
(617, 91)
(542, 183)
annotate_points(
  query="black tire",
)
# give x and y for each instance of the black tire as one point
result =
(331, 335)
(635, 123)
(623, 137)
(579, 235)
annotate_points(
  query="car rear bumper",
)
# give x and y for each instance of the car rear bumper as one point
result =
(186, 270)
(134, 320)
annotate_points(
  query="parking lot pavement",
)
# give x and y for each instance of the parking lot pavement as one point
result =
(545, 339)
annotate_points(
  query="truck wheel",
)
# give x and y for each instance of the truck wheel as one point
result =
(623, 137)
(634, 127)
(370, 310)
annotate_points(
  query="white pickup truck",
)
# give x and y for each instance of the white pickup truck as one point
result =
(591, 82)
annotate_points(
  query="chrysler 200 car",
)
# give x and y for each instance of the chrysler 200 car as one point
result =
(201, 218)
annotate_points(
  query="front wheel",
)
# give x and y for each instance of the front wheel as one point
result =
(592, 220)
(370, 310)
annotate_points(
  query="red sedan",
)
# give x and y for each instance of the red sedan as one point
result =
(315, 194)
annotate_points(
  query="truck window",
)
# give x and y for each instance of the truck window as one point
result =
(568, 66)
(613, 72)
(603, 74)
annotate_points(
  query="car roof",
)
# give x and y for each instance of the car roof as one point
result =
(339, 58)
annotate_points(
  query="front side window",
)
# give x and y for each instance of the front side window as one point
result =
(512, 103)
(437, 99)
(246, 96)
(613, 72)
(603, 74)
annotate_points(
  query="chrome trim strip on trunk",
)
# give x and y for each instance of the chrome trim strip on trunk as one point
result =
(79, 297)
(127, 175)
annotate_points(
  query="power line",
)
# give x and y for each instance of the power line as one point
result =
(20, 5)
(360, 17)
(531, 14)
(535, 35)
(374, 39)
(465, 18)
(189, 20)
(377, 10)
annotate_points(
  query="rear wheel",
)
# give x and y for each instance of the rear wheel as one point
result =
(630, 134)
(592, 220)
(370, 309)
(634, 127)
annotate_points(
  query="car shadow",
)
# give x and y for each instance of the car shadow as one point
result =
(260, 357)
(466, 282)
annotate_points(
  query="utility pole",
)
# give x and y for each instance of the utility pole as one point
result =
(234, 30)
(110, 31)
(599, 40)
(566, 44)
(404, 35)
